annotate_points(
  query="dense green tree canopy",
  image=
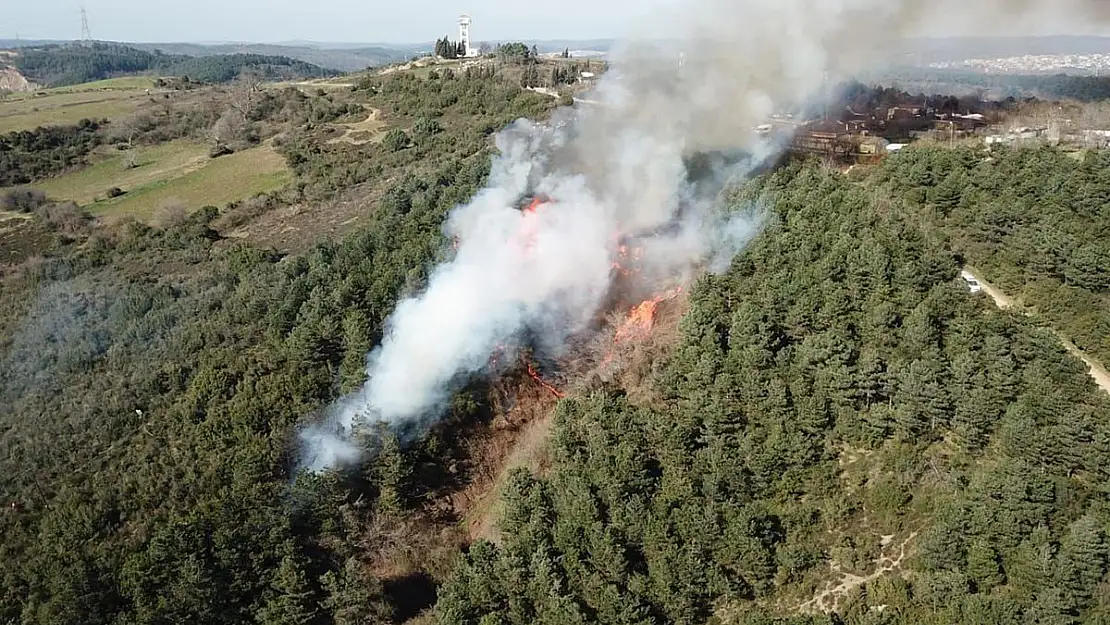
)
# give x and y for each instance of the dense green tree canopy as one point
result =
(61, 65)
(842, 333)
(1035, 220)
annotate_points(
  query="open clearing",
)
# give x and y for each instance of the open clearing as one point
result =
(321, 83)
(828, 599)
(365, 131)
(214, 182)
(69, 105)
(108, 169)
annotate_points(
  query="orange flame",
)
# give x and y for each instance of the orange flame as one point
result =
(641, 319)
(536, 376)
(627, 259)
(528, 231)
(537, 202)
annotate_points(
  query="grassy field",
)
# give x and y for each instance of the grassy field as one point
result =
(215, 182)
(108, 169)
(68, 105)
(125, 83)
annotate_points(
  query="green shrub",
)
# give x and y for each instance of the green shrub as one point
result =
(395, 140)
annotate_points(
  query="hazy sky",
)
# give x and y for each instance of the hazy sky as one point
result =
(408, 21)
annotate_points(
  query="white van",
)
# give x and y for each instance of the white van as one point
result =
(972, 283)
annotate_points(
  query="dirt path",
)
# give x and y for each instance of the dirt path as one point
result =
(367, 130)
(544, 91)
(1094, 368)
(828, 599)
(554, 94)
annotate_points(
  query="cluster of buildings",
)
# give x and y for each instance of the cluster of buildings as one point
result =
(1034, 64)
(1057, 133)
(854, 137)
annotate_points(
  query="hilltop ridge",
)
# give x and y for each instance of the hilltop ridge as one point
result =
(62, 65)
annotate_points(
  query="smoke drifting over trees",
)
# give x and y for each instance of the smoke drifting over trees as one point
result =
(621, 169)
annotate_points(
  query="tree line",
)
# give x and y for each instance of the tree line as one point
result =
(447, 49)
(60, 65)
(30, 155)
(1016, 86)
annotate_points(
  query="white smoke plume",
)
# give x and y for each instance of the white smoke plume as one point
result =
(621, 169)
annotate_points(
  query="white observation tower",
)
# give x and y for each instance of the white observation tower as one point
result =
(464, 37)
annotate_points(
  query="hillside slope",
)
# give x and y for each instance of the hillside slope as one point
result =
(845, 429)
(153, 379)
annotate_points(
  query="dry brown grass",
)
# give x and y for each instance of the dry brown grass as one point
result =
(518, 437)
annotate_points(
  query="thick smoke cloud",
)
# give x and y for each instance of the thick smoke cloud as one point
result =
(622, 169)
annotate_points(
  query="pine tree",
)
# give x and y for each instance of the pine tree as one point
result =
(353, 596)
(1082, 560)
(1029, 568)
(1050, 608)
(392, 472)
(357, 342)
(983, 567)
(946, 196)
(872, 379)
(944, 546)
(921, 401)
(291, 603)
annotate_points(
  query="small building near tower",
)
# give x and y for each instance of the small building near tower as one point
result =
(465, 41)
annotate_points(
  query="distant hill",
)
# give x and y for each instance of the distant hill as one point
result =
(938, 50)
(340, 59)
(963, 82)
(70, 64)
(11, 44)
(558, 45)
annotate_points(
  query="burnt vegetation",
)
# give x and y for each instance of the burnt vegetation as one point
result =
(834, 407)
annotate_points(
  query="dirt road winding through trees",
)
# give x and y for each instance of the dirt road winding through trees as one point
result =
(1094, 368)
